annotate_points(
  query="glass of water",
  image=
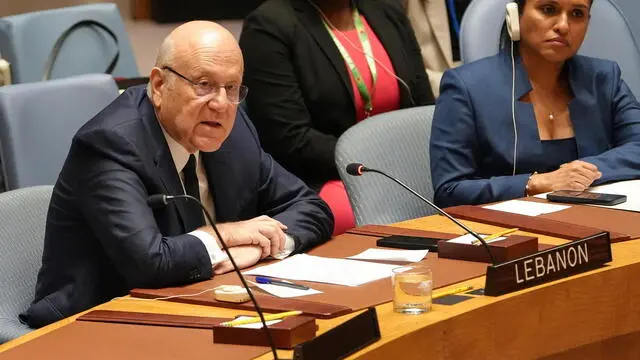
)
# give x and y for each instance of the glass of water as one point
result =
(412, 286)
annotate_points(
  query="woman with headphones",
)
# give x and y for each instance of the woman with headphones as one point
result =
(536, 117)
(316, 67)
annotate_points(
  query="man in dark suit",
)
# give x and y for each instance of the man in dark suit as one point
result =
(183, 134)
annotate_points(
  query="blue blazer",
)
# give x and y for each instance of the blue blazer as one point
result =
(102, 239)
(472, 137)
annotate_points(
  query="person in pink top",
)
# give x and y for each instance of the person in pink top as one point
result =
(315, 68)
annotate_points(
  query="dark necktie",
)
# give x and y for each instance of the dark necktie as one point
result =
(195, 217)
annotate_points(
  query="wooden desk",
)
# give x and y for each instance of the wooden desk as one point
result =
(593, 315)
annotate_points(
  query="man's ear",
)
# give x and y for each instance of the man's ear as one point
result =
(156, 82)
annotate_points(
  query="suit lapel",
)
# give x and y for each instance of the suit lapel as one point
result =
(439, 21)
(162, 159)
(523, 85)
(212, 161)
(587, 130)
(529, 147)
(580, 109)
(226, 182)
(312, 22)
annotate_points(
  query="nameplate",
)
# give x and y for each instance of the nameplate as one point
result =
(343, 340)
(548, 265)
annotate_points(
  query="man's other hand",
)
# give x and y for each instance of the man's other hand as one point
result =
(244, 255)
(261, 231)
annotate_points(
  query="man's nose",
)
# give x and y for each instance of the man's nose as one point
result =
(219, 100)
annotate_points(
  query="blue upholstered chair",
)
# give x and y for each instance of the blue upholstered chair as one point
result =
(27, 40)
(396, 142)
(23, 215)
(631, 11)
(38, 121)
(609, 35)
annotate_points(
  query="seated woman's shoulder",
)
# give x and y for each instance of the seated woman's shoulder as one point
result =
(483, 71)
(590, 64)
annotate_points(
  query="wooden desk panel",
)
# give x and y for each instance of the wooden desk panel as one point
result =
(624, 347)
(107, 341)
(334, 300)
(538, 224)
(590, 309)
(612, 220)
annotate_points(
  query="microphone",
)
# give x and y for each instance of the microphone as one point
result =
(160, 200)
(356, 169)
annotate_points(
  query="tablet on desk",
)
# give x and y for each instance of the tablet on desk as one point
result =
(586, 197)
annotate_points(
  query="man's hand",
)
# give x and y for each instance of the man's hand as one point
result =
(244, 255)
(577, 175)
(262, 231)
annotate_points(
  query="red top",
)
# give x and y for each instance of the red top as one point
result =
(386, 95)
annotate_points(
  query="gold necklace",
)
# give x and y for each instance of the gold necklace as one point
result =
(538, 95)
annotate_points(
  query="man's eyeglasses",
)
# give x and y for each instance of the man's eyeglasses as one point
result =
(235, 93)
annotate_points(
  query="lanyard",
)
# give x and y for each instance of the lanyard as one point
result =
(366, 47)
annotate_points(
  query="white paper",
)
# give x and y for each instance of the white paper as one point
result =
(391, 255)
(631, 188)
(305, 267)
(469, 239)
(257, 325)
(284, 291)
(529, 208)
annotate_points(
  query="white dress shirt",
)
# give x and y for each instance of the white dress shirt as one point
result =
(180, 158)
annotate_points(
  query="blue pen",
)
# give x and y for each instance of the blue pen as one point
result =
(266, 280)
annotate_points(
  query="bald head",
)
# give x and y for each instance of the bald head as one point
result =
(192, 37)
(197, 41)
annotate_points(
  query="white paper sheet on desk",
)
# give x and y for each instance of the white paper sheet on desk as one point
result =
(285, 292)
(325, 270)
(631, 188)
(469, 239)
(528, 208)
(391, 255)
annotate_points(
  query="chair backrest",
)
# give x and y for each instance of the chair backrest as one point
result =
(38, 121)
(609, 36)
(398, 143)
(26, 41)
(631, 11)
(22, 223)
